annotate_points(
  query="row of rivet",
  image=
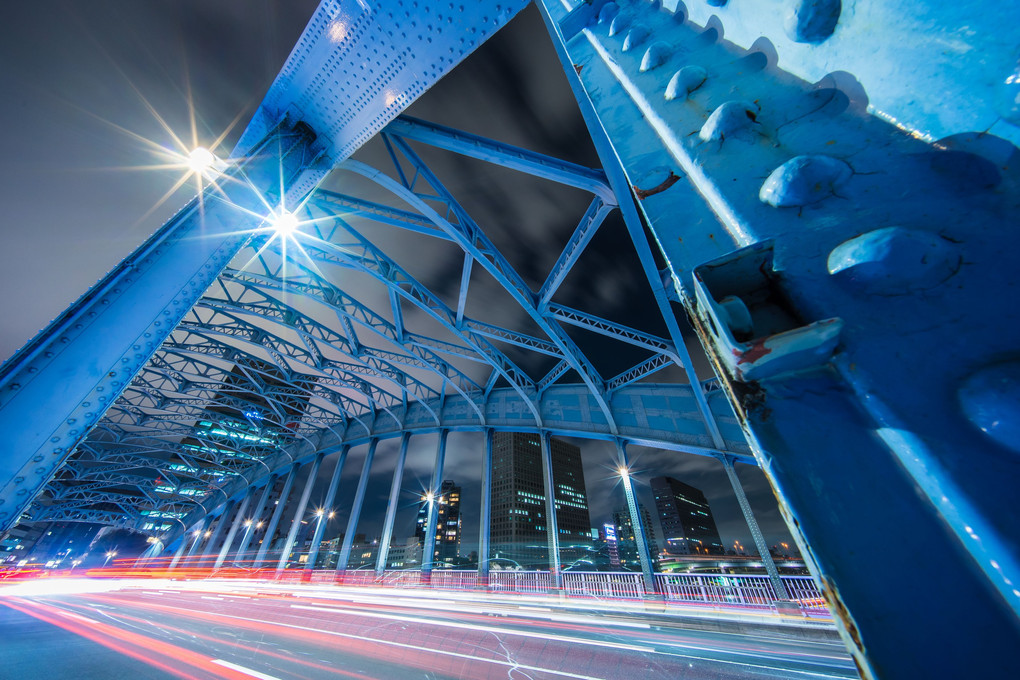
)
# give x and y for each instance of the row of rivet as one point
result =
(887, 261)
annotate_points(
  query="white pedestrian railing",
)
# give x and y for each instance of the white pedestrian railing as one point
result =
(804, 591)
(519, 581)
(454, 579)
(603, 584)
(734, 590)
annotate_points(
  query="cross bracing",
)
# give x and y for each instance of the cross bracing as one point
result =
(278, 359)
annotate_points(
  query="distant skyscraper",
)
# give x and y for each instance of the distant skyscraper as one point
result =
(448, 524)
(627, 543)
(686, 520)
(518, 528)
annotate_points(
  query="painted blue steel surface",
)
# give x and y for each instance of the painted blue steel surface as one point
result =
(359, 64)
(59, 385)
(884, 440)
(355, 67)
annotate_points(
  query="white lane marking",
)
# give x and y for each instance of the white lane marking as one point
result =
(498, 662)
(209, 597)
(484, 629)
(246, 671)
(236, 597)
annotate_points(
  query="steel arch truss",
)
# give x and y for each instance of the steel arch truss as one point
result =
(279, 359)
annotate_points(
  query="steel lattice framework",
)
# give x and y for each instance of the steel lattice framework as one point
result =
(816, 212)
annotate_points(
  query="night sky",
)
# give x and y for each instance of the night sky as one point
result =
(80, 82)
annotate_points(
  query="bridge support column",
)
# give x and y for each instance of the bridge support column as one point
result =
(551, 526)
(636, 520)
(783, 603)
(391, 507)
(428, 553)
(252, 525)
(267, 540)
(323, 516)
(180, 551)
(199, 540)
(485, 516)
(221, 523)
(238, 521)
(359, 501)
(299, 513)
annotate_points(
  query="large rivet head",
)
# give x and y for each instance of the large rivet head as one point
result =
(620, 24)
(608, 12)
(657, 54)
(811, 21)
(637, 35)
(990, 399)
(686, 80)
(894, 260)
(803, 180)
(728, 120)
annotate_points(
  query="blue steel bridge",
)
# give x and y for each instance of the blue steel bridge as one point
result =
(825, 191)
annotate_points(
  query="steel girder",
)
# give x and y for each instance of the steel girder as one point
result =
(118, 325)
(882, 237)
(248, 343)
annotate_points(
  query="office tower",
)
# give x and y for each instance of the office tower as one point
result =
(518, 525)
(686, 520)
(448, 525)
(626, 541)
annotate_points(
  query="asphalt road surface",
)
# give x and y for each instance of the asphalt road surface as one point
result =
(244, 631)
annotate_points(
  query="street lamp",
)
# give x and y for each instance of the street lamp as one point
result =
(110, 554)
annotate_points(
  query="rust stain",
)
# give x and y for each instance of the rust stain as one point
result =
(755, 352)
(840, 611)
(642, 194)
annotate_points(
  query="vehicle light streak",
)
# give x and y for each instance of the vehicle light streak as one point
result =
(261, 650)
(561, 623)
(424, 657)
(139, 647)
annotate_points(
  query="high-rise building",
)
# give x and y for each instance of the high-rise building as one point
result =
(518, 525)
(448, 524)
(627, 542)
(688, 527)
